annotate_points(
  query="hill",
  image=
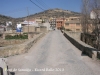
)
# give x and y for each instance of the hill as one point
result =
(45, 14)
(55, 13)
(4, 18)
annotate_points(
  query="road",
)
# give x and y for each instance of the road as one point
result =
(53, 55)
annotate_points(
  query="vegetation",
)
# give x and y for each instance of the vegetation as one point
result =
(62, 28)
(88, 22)
(22, 36)
(87, 7)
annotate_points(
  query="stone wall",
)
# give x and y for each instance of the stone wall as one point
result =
(19, 48)
(76, 35)
(28, 29)
(37, 29)
(86, 49)
(4, 43)
(34, 29)
(43, 29)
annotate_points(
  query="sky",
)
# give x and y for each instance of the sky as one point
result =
(20, 8)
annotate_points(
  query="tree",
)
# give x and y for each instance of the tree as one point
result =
(87, 7)
(91, 6)
(85, 15)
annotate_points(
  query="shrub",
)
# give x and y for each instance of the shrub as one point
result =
(22, 36)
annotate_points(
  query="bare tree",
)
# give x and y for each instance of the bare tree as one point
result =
(89, 6)
(95, 7)
(85, 15)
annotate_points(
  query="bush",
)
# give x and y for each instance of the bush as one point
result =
(22, 36)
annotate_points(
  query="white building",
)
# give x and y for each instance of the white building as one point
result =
(95, 14)
(30, 23)
(47, 25)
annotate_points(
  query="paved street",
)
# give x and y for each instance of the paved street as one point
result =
(53, 55)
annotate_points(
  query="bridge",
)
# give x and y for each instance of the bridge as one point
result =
(54, 54)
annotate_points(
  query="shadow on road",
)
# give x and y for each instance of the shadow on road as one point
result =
(83, 54)
(12, 73)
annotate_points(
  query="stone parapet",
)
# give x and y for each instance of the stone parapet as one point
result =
(86, 49)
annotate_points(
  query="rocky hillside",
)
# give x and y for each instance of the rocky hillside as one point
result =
(55, 13)
(3, 19)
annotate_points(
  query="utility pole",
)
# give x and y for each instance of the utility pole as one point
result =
(63, 21)
(28, 19)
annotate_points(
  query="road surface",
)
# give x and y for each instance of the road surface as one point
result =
(53, 55)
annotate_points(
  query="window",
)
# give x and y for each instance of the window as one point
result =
(72, 19)
(77, 29)
(78, 24)
(67, 23)
(68, 30)
(54, 22)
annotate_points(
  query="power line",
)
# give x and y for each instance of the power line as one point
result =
(36, 5)
(42, 3)
(45, 4)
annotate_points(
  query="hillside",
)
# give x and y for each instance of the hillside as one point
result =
(55, 13)
(3, 19)
(45, 14)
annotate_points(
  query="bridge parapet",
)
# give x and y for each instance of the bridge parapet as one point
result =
(86, 49)
(76, 35)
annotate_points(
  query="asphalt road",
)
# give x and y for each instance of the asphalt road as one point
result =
(53, 55)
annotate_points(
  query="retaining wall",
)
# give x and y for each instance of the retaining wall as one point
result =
(4, 43)
(20, 48)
